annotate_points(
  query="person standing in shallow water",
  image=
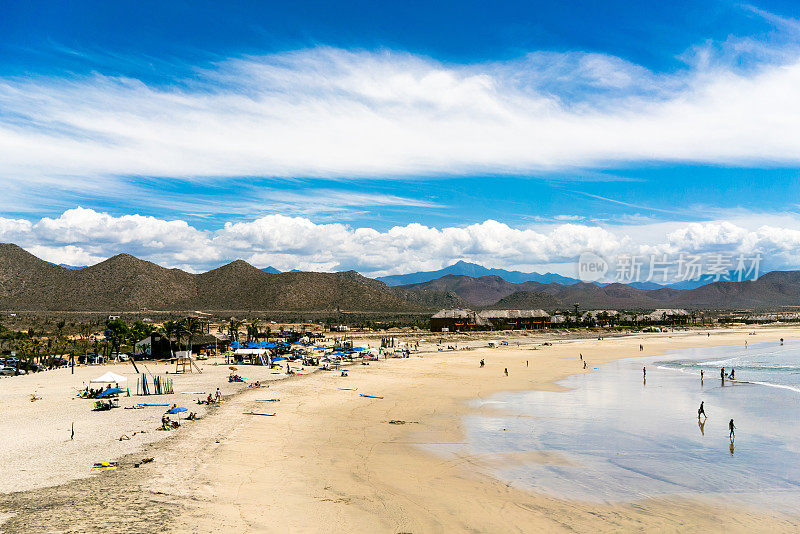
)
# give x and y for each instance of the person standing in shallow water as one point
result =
(644, 372)
(732, 427)
(702, 411)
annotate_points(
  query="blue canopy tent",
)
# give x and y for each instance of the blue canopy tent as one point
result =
(236, 345)
(109, 392)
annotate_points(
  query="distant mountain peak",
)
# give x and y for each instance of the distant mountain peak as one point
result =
(465, 268)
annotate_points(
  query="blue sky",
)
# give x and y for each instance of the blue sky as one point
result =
(618, 127)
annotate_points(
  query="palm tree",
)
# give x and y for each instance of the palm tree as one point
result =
(253, 330)
(171, 329)
(117, 333)
(233, 328)
(191, 327)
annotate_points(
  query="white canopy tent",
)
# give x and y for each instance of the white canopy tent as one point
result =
(109, 378)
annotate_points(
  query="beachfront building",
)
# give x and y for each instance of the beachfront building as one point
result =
(458, 321)
(669, 316)
(516, 319)
(469, 320)
(154, 346)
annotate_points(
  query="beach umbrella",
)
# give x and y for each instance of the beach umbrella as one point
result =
(179, 409)
(109, 378)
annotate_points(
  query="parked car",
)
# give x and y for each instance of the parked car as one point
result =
(92, 358)
(6, 371)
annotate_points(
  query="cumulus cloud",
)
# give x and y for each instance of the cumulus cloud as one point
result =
(85, 236)
(338, 113)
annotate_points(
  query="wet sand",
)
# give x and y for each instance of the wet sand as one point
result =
(331, 461)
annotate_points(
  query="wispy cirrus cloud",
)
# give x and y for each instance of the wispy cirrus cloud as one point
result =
(337, 113)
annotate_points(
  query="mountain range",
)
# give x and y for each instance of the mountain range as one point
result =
(126, 283)
(475, 271)
(772, 290)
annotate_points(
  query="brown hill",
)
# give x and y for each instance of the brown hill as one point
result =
(774, 289)
(771, 290)
(123, 282)
(481, 291)
(25, 279)
(127, 283)
(527, 300)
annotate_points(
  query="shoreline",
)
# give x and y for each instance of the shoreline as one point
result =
(330, 461)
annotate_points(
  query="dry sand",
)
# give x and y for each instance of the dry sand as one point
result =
(330, 461)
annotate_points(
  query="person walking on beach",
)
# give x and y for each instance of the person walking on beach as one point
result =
(644, 372)
(482, 362)
(581, 355)
(701, 410)
(506, 371)
(584, 364)
(218, 395)
(641, 347)
(731, 375)
(701, 375)
(732, 427)
(526, 363)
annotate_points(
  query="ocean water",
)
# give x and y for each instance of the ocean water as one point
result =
(617, 437)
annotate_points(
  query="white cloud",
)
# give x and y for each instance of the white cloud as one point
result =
(84, 236)
(336, 113)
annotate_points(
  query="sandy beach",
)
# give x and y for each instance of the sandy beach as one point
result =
(330, 460)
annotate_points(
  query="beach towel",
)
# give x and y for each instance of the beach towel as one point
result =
(370, 396)
(104, 466)
(256, 413)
